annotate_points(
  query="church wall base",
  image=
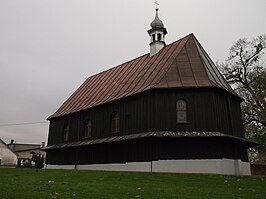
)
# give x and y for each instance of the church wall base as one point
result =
(214, 166)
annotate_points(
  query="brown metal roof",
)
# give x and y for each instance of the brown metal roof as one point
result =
(154, 134)
(182, 64)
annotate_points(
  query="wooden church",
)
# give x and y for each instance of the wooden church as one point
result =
(169, 110)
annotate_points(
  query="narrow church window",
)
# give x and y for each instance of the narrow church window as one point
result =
(153, 37)
(115, 122)
(66, 133)
(87, 129)
(159, 36)
(181, 109)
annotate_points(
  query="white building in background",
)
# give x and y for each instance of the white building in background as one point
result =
(24, 152)
(7, 157)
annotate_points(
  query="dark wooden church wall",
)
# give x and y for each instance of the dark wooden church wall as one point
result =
(56, 129)
(135, 116)
(135, 113)
(148, 149)
(238, 128)
(119, 152)
(208, 110)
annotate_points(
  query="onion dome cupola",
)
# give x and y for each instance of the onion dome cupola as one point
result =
(157, 33)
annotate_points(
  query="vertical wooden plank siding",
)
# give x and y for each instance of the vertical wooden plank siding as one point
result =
(208, 110)
(148, 149)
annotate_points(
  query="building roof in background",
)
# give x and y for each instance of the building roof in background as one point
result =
(182, 64)
(23, 147)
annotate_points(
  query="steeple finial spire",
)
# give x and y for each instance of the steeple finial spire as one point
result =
(157, 33)
(157, 22)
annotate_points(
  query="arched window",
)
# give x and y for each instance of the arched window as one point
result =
(159, 36)
(181, 111)
(153, 37)
(87, 129)
(115, 122)
(66, 133)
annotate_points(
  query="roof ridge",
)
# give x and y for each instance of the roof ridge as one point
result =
(191, 34)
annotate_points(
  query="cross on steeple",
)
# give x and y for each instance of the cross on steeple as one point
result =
(157, 4)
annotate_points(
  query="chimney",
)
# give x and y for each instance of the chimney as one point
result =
(12, 145)
(42, 144)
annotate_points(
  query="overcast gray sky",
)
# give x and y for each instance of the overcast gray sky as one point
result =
(49, 47)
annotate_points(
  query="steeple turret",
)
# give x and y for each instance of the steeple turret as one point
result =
(157, 33)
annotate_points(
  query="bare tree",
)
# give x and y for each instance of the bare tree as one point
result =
(245, 70)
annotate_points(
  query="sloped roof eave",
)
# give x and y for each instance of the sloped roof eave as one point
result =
(151, 134)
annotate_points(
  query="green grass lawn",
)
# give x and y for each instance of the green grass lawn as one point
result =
(32, 183)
